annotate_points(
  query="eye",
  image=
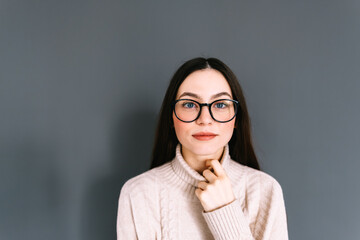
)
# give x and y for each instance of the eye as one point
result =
(189, 105)
(221, 105)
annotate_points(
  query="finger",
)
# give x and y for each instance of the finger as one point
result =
(218, 169)
(198, 192)
(211, 169)
(211, 177)
(202, 185)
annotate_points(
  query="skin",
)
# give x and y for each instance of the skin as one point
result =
(206, 86)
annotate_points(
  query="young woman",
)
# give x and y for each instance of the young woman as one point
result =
(205, 181)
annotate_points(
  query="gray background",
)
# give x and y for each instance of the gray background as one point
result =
(82, 83)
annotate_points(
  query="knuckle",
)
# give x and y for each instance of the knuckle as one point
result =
(217, 182)
(202, 185)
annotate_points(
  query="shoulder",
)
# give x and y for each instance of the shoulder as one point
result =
(141, 183)
(144, 183)
(256, 180)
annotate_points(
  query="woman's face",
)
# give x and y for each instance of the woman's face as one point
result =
(204, 86)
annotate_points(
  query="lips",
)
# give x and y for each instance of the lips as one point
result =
(204, 136)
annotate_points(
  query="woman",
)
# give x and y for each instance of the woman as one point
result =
(205, 181)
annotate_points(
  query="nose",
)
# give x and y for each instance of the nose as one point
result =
(205, 117)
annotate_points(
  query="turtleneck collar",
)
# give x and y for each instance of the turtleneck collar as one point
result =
(188, 174)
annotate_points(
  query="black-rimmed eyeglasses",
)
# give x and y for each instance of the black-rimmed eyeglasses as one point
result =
(221, 110)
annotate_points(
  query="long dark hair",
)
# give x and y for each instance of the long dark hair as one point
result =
(240, 144)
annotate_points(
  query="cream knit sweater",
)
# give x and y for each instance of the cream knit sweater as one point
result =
(161, 204)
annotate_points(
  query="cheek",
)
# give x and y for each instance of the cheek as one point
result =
(180, 127)
(228, 129)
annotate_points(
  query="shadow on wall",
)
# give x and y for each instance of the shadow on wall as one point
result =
(131, 152)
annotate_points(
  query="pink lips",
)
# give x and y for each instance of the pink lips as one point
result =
(204, 136)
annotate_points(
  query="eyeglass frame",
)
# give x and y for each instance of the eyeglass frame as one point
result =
(209, 107)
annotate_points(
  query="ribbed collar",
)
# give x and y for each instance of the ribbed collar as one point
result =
(188, 174)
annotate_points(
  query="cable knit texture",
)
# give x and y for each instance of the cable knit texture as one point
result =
(161, 204)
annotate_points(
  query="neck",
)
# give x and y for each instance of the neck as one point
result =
(197, 162)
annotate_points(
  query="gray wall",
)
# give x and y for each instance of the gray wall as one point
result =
(81, 83)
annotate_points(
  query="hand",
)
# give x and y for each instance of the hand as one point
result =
(217, 191)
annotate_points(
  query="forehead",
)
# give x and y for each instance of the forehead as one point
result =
(204, 83)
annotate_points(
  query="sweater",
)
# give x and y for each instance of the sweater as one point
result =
(161, 204)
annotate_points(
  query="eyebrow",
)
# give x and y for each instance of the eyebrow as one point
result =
(190, 94)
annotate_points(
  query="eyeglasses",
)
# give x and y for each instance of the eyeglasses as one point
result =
(221, 110)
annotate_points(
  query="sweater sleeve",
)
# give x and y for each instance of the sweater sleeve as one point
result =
(138, 211)
(228, 222)
(267, 223)
(125, 225)
(274, 223)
